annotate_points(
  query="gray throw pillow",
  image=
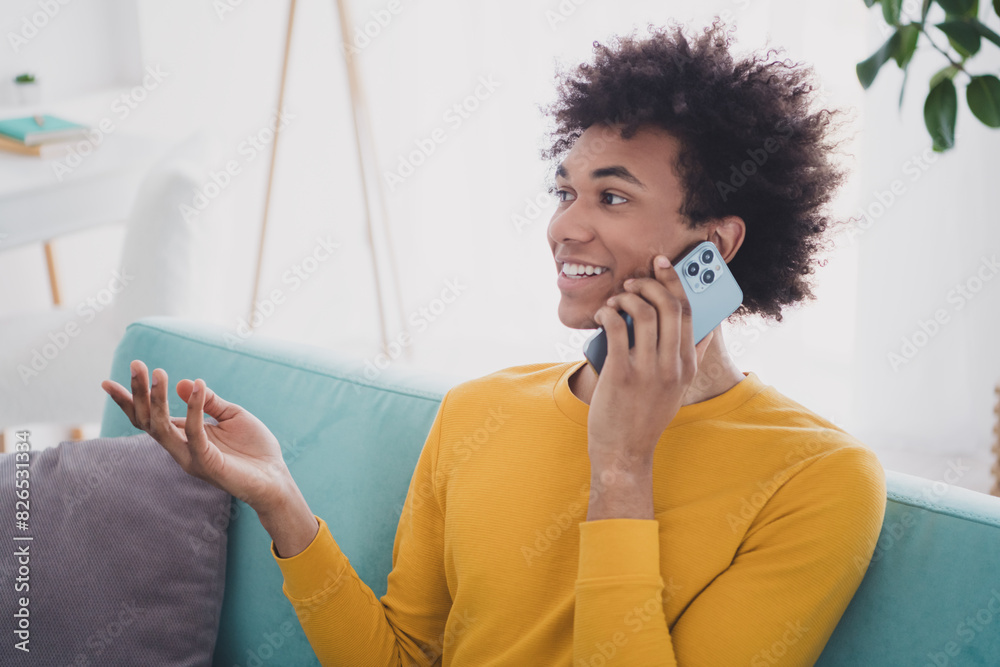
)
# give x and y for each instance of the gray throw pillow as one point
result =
(126, 563)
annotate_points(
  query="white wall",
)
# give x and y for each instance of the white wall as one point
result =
(937, 397)
(72, 48)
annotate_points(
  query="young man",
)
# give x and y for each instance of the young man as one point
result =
(671, 511)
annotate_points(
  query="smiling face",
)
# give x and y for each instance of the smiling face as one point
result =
(619, 203)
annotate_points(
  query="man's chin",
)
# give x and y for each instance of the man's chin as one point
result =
(577, 318)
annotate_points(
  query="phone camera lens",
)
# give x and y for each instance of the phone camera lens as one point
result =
(706, 256)
(708, 277)
(693, 269)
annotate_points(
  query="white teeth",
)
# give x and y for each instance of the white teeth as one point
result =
(582, 269)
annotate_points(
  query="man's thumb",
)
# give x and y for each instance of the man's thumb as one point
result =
(216, 408)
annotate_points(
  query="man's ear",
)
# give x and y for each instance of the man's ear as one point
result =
(727, 234)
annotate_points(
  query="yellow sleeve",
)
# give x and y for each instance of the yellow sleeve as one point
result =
(791, 580)
(796, 570)
(341, 617)
(618, 616)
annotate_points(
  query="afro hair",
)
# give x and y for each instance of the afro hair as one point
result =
(751, 145)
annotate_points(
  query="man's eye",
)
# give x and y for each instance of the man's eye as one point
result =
(559, 194)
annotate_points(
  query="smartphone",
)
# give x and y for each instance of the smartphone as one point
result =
(711, 290)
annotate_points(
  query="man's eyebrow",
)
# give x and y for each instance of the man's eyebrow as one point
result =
(604, 172)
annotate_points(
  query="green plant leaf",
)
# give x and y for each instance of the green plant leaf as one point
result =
(957, 7)
(871, 3)
(950, 71)
(985, 31)
(996, 6)
(868, 69)
(962, 35)
(890, 11)
(983, 96)
(940, 111)
(906, 45)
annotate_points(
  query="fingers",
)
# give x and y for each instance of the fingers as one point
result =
(140, 395)
(194, 424)
(159, 411)
(147, 407)
(122, 397)
(219, 408)
(617, 335)
(644, 324)
(675, 320)
(134, 404)
(663, 322)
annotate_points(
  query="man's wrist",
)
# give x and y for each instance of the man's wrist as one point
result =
(620, 494)
(290, 523)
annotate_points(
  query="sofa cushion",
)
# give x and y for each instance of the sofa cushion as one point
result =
(126, 558)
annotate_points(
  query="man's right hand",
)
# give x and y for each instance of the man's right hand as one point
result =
(239, 454)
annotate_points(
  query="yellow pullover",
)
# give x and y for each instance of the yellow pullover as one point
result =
(766, 519)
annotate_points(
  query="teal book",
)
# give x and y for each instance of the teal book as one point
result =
(30, 133)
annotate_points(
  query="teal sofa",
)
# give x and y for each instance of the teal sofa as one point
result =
(351, 435)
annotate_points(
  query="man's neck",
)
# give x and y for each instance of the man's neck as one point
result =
(708, 383)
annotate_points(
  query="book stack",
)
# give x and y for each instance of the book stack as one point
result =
(27, 136)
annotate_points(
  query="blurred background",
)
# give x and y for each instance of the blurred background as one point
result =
(164, 214)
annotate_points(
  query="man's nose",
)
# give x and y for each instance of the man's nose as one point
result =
(571, 224)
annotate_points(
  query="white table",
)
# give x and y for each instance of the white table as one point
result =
(36, 205)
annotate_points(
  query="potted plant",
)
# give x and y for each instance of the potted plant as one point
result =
(26, 89)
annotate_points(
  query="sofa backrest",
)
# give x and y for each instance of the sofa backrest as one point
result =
(351, 435)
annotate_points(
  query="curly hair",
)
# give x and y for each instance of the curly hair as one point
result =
(750, 145)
